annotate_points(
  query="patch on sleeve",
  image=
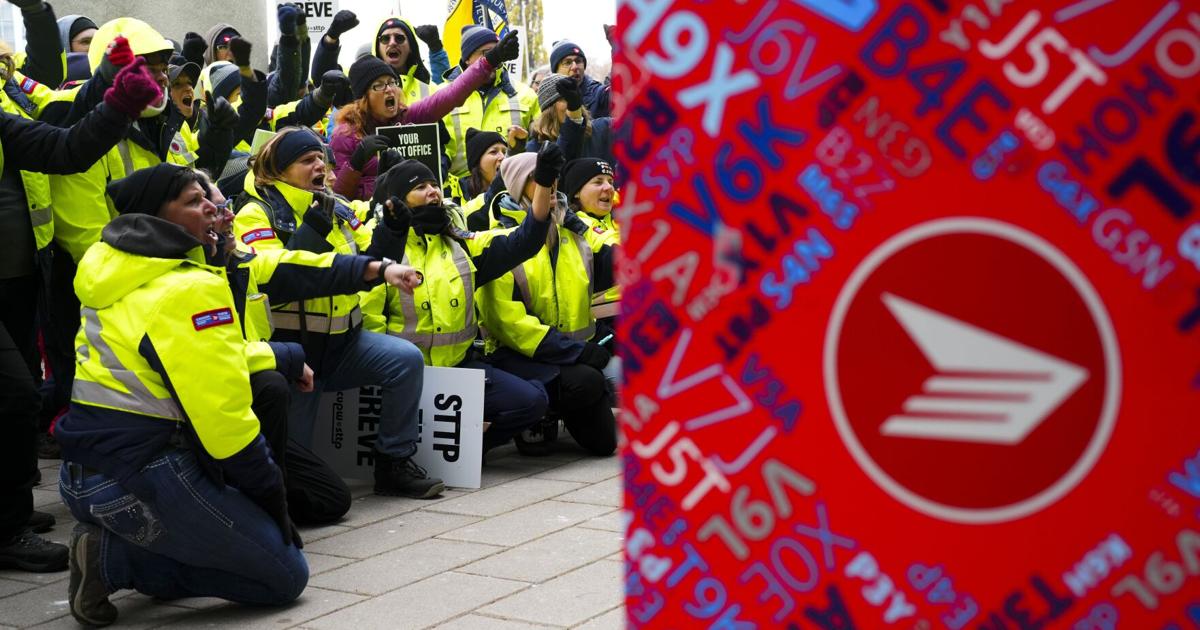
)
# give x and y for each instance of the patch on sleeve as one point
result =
(28, 85)
(258, 235)
(597, 229)
(208, 319)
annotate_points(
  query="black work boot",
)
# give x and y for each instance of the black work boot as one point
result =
(87, 593)
(403, 477)
(29, 552)
(39, 522)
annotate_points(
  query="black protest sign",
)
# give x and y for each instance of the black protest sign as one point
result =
(416, 142)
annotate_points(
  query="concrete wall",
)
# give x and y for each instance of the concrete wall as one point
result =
(173, 18)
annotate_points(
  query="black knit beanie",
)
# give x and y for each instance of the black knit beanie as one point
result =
(478, 142)
(365, 70)
(144, 190)
(577, 173)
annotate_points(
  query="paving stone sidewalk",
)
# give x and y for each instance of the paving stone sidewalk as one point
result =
(539, 546)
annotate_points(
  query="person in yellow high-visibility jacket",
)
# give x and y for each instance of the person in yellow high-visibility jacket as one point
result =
(439, 317)
(287, 205)
(161, 436)
(504, 106)
(538, 316)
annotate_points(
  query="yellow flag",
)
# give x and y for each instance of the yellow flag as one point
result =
(460, 15)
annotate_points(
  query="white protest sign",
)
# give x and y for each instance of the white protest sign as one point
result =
(450, 443)
(318, 14)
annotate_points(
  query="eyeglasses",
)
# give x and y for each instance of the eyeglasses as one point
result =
(379, 87)
(573, 61)
(399, 38)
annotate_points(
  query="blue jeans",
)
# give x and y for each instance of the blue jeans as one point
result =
(170, 532)
(392, 363)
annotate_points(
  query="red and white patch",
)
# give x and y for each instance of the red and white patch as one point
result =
(258, 235)
(597, 229)
(28, 85)
(208, 319)
(972, 370)
(354, 223)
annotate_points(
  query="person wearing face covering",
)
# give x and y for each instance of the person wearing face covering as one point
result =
(286, 205)
(439, 316)
(539, 316)
(157, 443)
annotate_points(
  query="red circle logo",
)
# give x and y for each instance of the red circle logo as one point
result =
(972, 370)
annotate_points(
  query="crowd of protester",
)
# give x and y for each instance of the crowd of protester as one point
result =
(177, 293)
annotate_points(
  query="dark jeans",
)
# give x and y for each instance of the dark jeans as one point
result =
(59, 322)
(316, 495)
(510, 403)
(581, 396)
(18, 403)
(170, 532)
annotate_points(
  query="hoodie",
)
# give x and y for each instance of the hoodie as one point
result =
(211, 39)
(414, 66)
(141, 285)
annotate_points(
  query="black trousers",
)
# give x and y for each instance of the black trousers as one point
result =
(19, 403)
(59, 320)
(581, 396)
(510, 403)
(316, 494)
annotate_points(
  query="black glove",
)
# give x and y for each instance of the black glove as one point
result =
(287, 15)
(366, 150)
(333, 83)
(508, 49)
(550, 161)
(220, 113)
(428, 33)
(275, 505)
(194, 47)
(594, 355)
(569, 91)
(319, 216)
(342, 22)
(399, 217)
(387, 159)
(241, 52)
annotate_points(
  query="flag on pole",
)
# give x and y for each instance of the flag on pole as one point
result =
(492, 14)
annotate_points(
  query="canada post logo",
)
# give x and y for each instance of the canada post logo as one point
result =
(972, 370)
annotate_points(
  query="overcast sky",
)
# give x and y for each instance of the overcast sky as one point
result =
(580, 21)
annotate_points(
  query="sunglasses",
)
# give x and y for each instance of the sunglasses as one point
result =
(399, 38)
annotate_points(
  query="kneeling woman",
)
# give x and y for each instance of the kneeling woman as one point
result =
(539, 314)
(286, 204)
(165, 468)
(439, 316)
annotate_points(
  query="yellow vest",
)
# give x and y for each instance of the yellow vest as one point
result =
(183, 308)
(255, 226)
(609, 223)
(84, 208)
(551, 296)
(37, 185)
(502, 112)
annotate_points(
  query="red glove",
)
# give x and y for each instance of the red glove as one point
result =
(133, 89)
(119, 52)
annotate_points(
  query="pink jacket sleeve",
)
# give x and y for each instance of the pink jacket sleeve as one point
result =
(343, 146)
(434, 107)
